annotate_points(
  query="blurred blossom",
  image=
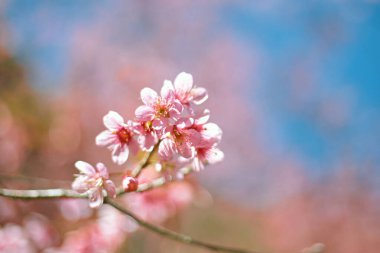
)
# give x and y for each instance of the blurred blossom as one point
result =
(64, 135)
(113, 223)
(293, 85)
(74, 209)
(13, 238)
(40, 231)
(161, 203)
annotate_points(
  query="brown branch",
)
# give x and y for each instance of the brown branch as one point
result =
(144, 163)
(174, 235)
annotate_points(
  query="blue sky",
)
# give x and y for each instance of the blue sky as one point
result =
(340, 42)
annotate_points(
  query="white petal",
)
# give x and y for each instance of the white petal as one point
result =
(120, 154)
(85, 168)
(183, 84)
(105, 138)
(203, 118)
(197, 164)
(113, 121)
(166, 149)
(214, 155)
(212, 131)
(148, 96)
(144, 113)
(167, 91)
(199, 95)
(79, 185)
(96, 198)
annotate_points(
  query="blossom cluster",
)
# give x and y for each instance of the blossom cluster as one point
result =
(168, 123)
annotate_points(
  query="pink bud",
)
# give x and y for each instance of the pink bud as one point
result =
(130, 184)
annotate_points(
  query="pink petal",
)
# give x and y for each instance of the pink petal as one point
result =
(185, 149)
(206, 143)
(113, 121)
(166, 149)
(144, 113)
(148, 141)
(214, 155)
(183, 84)
(110, 188)
(157, 124)
(85, 168)
(102, 169)
(199, 95)
(176, 105)
(105, 138)
(148, 96)
(120, 154)
(138, 128)
(192, 136)
(79, 185)
(134, 146)
(96, 198)
(167, 91)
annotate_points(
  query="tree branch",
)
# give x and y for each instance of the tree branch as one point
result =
(40, 194)
(174, 235)
(136, 171)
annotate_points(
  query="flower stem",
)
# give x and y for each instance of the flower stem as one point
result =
(145, 162)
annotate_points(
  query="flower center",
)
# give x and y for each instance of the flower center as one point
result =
(148, 126)
(161, 109)
(124, 135)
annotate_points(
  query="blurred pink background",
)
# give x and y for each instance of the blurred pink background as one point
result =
(293, 84)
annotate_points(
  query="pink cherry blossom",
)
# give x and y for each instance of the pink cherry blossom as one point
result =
(93, 181)
(119, 137)
(162, 110)
(160, 203)
(206, 153)
(147, 136)
(13, 238)
(180, 140)
(186, 92)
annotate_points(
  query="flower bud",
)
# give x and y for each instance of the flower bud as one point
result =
(130, 184)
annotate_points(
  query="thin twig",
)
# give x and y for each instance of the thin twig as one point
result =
(40, 193)
(67, 193)
(174, 235)
(136, 171)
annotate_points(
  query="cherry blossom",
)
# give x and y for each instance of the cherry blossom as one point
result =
(162, 110)
(206, 153)
(119, 137)
(147, 135)
(186, 92)
(169, 127)
(93, 181)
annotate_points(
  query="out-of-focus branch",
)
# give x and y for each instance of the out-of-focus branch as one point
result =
(174, 235)
(33, 180)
